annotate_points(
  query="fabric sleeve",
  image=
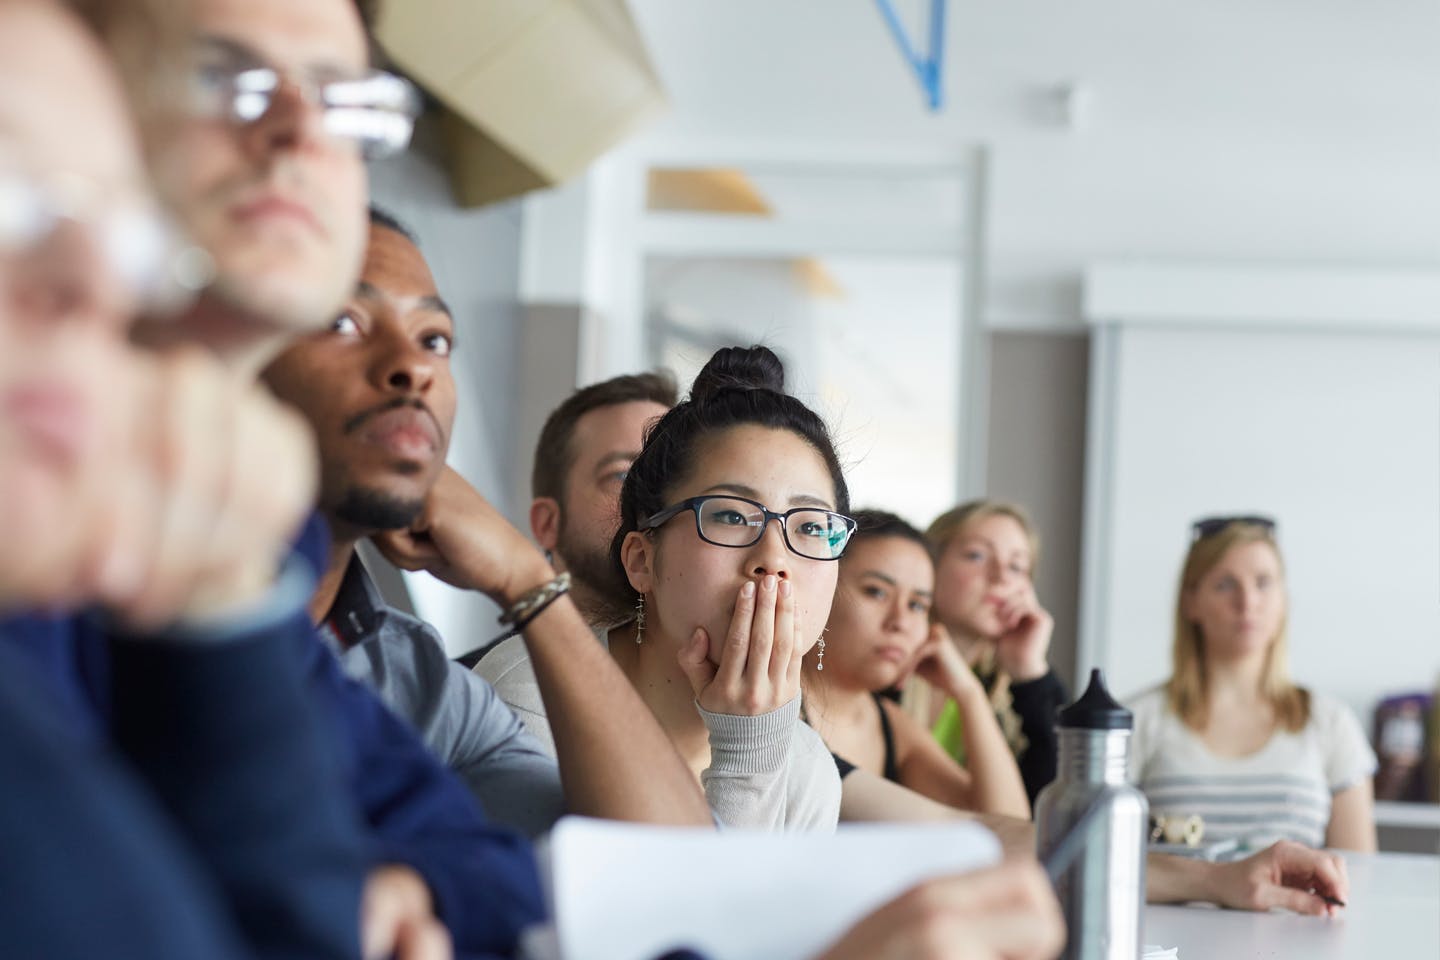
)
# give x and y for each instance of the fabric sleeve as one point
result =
(1035, 702)
(1349, 758)
(483, 877)
(94, 867)
(758, 779)
(504, 766)
(225, 737)
(507, 669)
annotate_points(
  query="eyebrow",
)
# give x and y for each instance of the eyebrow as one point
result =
(243, 52)
(616, 456)
(234, 48)
(799, 500)
(893, 582)
(430, 302)
(992, 546)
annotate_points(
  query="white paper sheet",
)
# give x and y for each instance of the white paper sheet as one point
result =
(628, 892)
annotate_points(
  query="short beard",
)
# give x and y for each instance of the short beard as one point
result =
(372, 510)
(595, 570)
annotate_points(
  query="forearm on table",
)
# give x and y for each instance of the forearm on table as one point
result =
(1172, 879)
(865, 797)
(995, 783)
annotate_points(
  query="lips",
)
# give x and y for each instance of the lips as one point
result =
(269, 208)
(891, 654)
(406, 432)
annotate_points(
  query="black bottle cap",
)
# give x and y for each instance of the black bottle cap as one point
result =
(1096, 709)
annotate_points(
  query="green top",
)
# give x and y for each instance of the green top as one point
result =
(949, 731)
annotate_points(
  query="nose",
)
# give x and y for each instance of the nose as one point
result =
(292, 122)
(402, 366)
(896, 613)
(769, 555)
(998, 571)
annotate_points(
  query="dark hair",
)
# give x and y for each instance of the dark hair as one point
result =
(553, 454)
(739, 386)
(872, 524)
(380, 218)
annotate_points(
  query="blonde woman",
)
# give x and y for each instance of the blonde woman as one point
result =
(879, 627)
(985, 554)
(1229, 738)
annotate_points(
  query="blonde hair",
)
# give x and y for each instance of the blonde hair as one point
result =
(1186, 689)
(917, 697)
(949, 525)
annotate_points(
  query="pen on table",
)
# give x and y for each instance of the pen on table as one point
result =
(1063, 853)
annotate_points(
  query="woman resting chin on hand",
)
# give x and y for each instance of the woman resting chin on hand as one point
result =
(879, 630)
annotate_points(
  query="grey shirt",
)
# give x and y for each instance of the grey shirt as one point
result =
(457, 714)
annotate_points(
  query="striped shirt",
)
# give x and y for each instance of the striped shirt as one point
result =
(1281, 791)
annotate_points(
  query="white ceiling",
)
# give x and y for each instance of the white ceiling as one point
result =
(1284, 130)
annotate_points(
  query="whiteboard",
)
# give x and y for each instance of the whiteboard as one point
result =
(1335, 434)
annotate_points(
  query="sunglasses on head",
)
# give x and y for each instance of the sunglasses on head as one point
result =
(1209, 526)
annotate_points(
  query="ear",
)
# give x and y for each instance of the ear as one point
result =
(637, 556)
(545, 522)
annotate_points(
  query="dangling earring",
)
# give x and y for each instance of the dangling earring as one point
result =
(640, 619)
(820, 660)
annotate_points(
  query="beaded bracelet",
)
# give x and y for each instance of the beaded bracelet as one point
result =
(533, 603)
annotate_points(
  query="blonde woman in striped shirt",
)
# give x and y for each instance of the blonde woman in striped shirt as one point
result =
(1229, 738)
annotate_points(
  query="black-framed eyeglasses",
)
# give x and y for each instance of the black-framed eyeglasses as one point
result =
(729, 521)
(1209, 526)
(373, 109)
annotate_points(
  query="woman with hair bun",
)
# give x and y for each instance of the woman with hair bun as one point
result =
(732, 519)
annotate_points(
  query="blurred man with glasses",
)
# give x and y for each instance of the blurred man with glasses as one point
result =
(261, 155)
(256, 137)
(202, 815)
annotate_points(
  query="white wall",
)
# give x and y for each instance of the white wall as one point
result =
(879, 361)
(1342, 449)
(1293, 130)
(1037, 458)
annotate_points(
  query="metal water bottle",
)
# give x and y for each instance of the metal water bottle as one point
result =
(1102, 891)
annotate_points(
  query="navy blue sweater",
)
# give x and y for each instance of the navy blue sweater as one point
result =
(213, 824)
(482, 876)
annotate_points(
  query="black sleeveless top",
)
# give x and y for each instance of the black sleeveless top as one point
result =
(892, 769)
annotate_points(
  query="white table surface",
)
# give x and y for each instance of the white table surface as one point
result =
(1393, 912)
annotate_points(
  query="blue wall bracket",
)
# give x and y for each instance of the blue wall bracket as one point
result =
(930, 69)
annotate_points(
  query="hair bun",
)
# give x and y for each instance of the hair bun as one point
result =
(739, 368)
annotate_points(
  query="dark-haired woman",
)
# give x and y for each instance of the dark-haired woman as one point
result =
(879, 627)
(731, 520)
